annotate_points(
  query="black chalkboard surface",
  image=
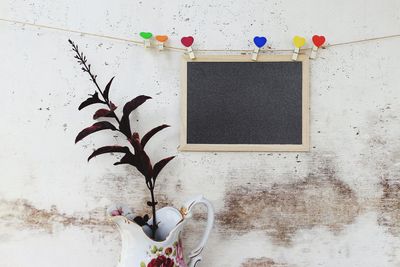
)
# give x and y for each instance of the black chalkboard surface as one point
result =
(230, 103)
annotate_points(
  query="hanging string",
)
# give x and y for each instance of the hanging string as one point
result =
(178, 49)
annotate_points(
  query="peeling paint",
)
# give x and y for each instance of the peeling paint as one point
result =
(319, 200)
(261, 262)
(389, 206)
(20, 214)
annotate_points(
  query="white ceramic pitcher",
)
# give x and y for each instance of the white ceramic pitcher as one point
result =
(138, 250)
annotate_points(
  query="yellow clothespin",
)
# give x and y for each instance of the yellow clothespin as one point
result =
(298, 42)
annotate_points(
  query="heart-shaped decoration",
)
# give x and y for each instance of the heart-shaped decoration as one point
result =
(146, 35)
(260, 41)
(299, 41)
(187, 41)
(161, 38)
(318, 40)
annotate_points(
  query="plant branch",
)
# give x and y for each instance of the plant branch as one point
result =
(154, 226)
(138, 146)
(86, 68)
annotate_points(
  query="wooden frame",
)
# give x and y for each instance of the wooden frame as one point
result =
(184, 146)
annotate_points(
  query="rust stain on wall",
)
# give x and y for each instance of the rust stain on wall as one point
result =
(261, 262)
(320, 199)
(21, 214)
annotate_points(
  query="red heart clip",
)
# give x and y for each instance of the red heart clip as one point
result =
(187, 41)
(318, 40)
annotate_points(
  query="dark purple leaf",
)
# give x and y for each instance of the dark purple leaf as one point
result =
(128, 108)
(140, 220)
(144, 163)
(107, 89)
(128, 158)
(109, 149)
(151, 133)
(103, 113)
(113, 107)
(149, 203)
(98, 126)
(134, 103)
(94, 99)
(160, 165)
(135, 141)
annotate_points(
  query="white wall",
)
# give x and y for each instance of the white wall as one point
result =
(335, 206)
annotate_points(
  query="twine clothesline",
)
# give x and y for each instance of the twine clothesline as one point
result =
(181, 49)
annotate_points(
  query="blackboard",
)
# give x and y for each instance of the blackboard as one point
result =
(230, 103)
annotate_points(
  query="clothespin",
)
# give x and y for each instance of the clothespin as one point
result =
(146, 36)
(298, 42)
(161, 40)
(259, 41)
(318, 41)
(188, 41)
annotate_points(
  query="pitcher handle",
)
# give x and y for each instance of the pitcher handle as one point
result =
(195, 254)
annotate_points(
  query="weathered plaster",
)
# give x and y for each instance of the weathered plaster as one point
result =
(335, 206)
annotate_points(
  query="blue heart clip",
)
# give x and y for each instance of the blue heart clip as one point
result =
(260, 41)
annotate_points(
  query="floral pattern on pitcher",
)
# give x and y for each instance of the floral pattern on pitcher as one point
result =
(168, 257)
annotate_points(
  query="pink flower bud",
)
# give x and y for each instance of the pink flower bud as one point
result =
(116, 213)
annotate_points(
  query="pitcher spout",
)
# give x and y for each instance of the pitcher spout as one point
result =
(169, 222)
